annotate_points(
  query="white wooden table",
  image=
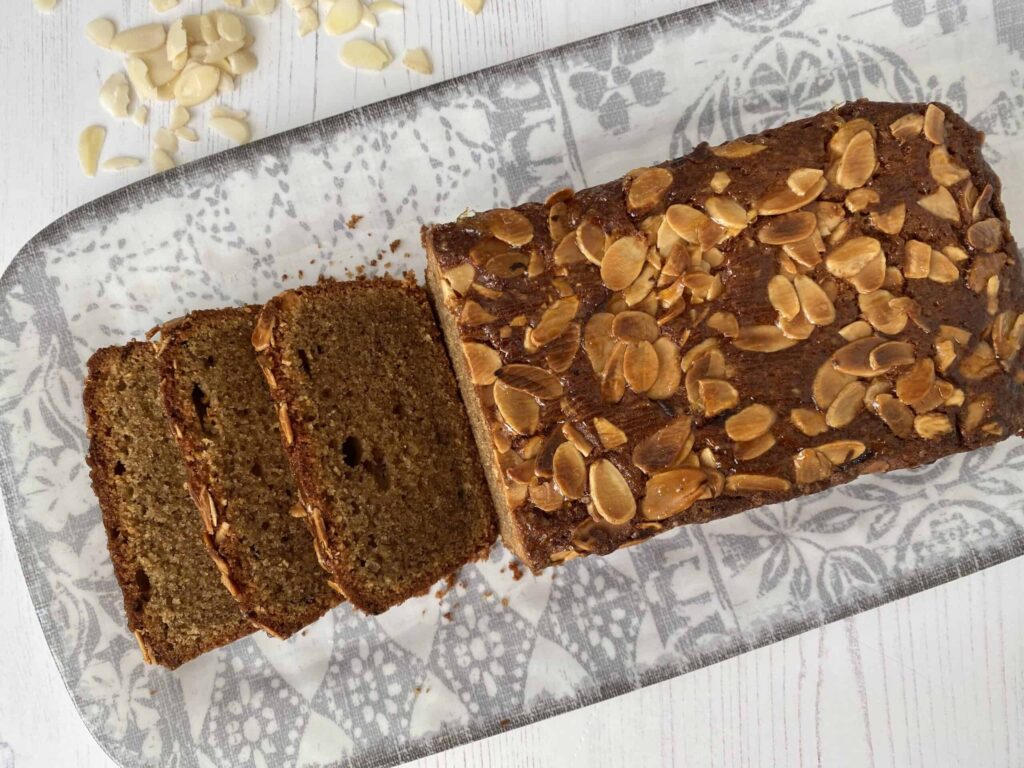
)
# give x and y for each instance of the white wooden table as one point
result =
(933, 680)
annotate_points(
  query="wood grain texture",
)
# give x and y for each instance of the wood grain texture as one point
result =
(933, 680)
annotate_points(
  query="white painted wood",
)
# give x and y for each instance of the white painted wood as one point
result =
(934, 680)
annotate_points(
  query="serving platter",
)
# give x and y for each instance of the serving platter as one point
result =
(499, 649)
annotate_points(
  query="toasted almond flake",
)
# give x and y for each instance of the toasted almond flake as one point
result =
(561, 352)
(570, 471)
(518, 410)
(915, 384)
(460, 278)
(890, 221)
(665, 448)
(574, 436)
(686, 221)
(859, 199)
(804, 252)
(811, 423)
(750, 423)
(828, 383)
(941, 203)
(726, 212)
(798, 328)
(783, 297)
(980, 363)
(782, 199)
(986, 236)
(101, 32)
(161, 160)
(669, 374)
(934, 124)
(846, 133)
(532, 380)
(858, 161)
(725, 323)
(803, 180)
(483, 362)
(847, 404)
(907, 127)
(717, 395)
(941, 268)
(555, 320)
(817, 306)
(635, 326)
(508, 226)
(610, 493)
(417, 60)
(720, 182)
(852, 256)
(858, 329)
(148, 37)
(362, 54)
(788, 228)
(811, 466)
(613, 381)
(891, 354)
(944, 169)
(669, 493)
(917, 259)
(646, 187)
(762, 338)
(698, 351)
(741, 484)
(591, 240)
(90, 147)
(545, 496)
(640, 366)
(841, 452)
(598, 340)
(932, 426)
(897, 416)
(854, 358)
(736, 150)
(623, 261)
(611, 436)
(120, 163)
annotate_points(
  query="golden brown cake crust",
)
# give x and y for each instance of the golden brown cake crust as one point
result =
(743, 325)
(173, 597)
(226, 425)
(376, 435)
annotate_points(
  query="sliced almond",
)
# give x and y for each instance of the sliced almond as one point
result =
(646, 187)
(641, 288)
(623, 261)
(917, 259)
(872, 277)
(815, 303)
(725, 323)
(120, 163)
(879, 310)
(560, 353)
(828, 383)
(570, 471)
(889, 221)
(852, 256)
(742, 484)
(859, 199)
(666, 448)
(787, 228)
(360, 54)
(640, 366)
(635, 326)
(148, 37)
(343, 16)
(555, 320)
(986, 236)
(847, 131)
(197, 83)
(941, 268)
(811, 466)
(610, 493)
(944, 169)
(115, 95)
(805, 252)
(897, 416)
(858, 329)
(854, 358)
(980, 363)
(518, 409)
(672, 492)
(598, 341)
(799, 328)
(719, 182)
(932, 426)
(907, 127)
(546, 496)
(460, 278)
(101, 32)
(934, 124)
(811, 423)
(611, 436)
(236, 130)
(666, 384)
(483, 362)
(913, 385)
(698, 351)
(891, 354)
(750, 423)
(941, 203)
(592, 241)
(532, 380)
(735, 150)
(686, 221)
(90, 147)
(858, 161)
(717, 395)
(762, 338)
(782, 199)
(847, 404)
(726, 212)
(803, 179)
(417, 60)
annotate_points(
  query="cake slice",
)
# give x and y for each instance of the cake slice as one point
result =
(174, 600)
(377, 437)
(226, 426)
(749, 323)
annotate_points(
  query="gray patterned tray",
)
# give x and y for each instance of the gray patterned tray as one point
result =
(495, 652)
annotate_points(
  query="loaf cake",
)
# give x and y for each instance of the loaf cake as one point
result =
(226, 426)
(174, 600)
(377, 437)
(749, 323)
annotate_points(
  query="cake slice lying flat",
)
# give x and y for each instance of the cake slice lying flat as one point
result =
(377, 436)
(226, 426)
(173, 596)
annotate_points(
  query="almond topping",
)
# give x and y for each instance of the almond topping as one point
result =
(665, 448)
(811, 423)
(917, 259)
(623, 261)
(846, 406)
(907, 127)
(942, 269)
(935, 124)
(853, 256)
(613, 380)
(640, 366)
(725, 323)
(672, 492)
(750, 423)
(891, 354)
(783, 297)
(555, 320)
(858, 329)
(570, 471)
(647, 187)
(762, 338)
(460, 278)
(897, 416)
(518, 409)
(890, 221)
(932, 426)
(798, 328)
(817, 306)
(980, 363)
(719, 182)
(788, 228)
(483, 362)
(944, 169)
(735, 150)
(854, 358)
(782, 199)
(717, 395)
(940, 203)
(508, 226)
(560, 353)
(841, 139)
(611, 436)
(726, 212)
(666, 383)
(879, 309)
(474, 314)
(686, 221)
(610, 493)
(859, 199)
(740, 484)
(805, 252)
(986, 236)
(531, 380)
(915, 384)
(858, 161)
(598, 341)
(635, 326)
(803, 179)
(811, 466)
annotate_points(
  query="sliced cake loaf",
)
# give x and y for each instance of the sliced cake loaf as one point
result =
(173, 596)
(226, 426)
(377, 436)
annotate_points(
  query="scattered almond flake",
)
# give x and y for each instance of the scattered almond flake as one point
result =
(226, 84)
(115, 95)
(197, 83)
(417, 60)
(309, 20)
(100, 32)
(180, 117)
(161, 161)
(386, 6)
(140, 116)
(343, 16)
(233, 128)
(162, 6)
(222, 111)
(177, 43)
(260, 8)
(369, 18)
(45, 6)
(165, 140)
(473, 6)
(186, 134)
(138, 74)
(230, 27)
(241, 62)
(148, 37)
(90, 146)
(363, 54)
(120, 163)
